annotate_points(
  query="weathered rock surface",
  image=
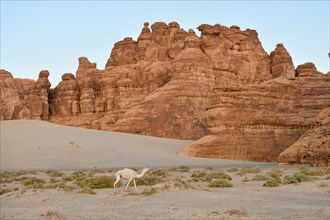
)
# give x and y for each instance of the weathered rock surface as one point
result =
(313, 147)
(221, 89)
(24, 98)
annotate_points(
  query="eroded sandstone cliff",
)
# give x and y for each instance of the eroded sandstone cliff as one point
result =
(221, 89)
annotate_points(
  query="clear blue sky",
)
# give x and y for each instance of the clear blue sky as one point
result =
(37, 35)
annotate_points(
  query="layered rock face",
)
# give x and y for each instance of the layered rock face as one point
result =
(313, 147)
(221, 89)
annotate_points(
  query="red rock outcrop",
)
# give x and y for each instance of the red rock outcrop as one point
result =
(313, 147)
(221, 89)
(24, 98)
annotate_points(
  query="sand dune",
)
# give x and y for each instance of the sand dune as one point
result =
(42, 145)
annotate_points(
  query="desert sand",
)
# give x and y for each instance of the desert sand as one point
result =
(34, 148)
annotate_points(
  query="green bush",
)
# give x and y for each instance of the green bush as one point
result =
(54, 173)
(273, 182)
(32, 182)
(159, 172)
(232, 170)
(261, 178)
(246, 170)
(276, 173)
(317, 172)
(147, 180)
(78, 175)
(217, 175)
(245, 179)
(296, 178)
(98, 182)
(220, 183)
(181, 169)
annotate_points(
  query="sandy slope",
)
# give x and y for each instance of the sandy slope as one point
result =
(41, 145)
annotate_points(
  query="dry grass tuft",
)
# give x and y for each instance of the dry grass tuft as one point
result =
(149, 191)
(220, 183)
(98, 182)
(54, 173)
(246, 170)
(181, 169)
(296, 178)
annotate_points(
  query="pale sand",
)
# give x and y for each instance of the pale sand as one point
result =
(41, 145)
(32, 145)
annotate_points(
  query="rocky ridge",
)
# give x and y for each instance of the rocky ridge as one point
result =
(221, 89)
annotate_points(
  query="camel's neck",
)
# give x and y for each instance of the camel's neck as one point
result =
(141, 174)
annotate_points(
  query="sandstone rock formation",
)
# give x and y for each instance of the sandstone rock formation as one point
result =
(221, 89)
(24, 98)
(313, 147)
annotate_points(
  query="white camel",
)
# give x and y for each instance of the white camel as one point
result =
(130, 175)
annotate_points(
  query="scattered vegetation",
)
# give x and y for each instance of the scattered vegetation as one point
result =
(78, 175)
(87, 190)
(245, 179)
(327, 178)
(232, 170)
(10, 176)
(149, 191)
(95, 170)
(260, 177)
(273, 182)
(246, 170)
(32, 182)
(147, 180)
(54, 173)
(181, 169)
(316, 172)
(220, 183)
(209, 175)
(296, 178)
(159, 172)
(276, 173)
(3, 191)
(98, 182)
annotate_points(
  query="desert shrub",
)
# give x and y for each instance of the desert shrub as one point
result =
(208, 175)
(147, 180)
(181, 169)
(245, 170)
(232, 170)
(94, 171)
(149, 191)
(10, 176)
(98, 182)
(327, 178)
(276, 173)
(54, 173)
(87, 190)
(296, 178)
(317, 172)
(245, 179)
(67, 178)
(273, 182)
(159, 172)
(32, 182)
(217, 175)
(220, 183)
(78, 175)
(261, 178)
(50, 185)
(3, 191)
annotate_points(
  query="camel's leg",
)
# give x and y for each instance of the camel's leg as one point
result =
(117, 180)
(135, 185)
(129, 181)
